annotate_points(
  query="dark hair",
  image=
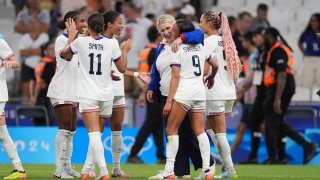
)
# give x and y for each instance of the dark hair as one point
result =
(130, 5)
(110, 17)
(231, 20)
(152, 33)
(259, 30)
(96, 22)
(71, 14)
(308, 28)
(262, 7)
(185, 25)
(181, 16)
(150, 16)
(243, 14)
(248, 37)
(45, 47)
(276, 35)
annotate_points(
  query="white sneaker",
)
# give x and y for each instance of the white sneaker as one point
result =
(207, 175)
(118, 173)
(62, 174)
(228, 173)
(72, 172)
(164, 175)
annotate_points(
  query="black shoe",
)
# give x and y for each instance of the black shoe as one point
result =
(309, 150)
(249, 161)
(283, 161)
(134, 160)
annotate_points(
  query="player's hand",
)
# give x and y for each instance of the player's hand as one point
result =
(175, 45)
(209, 81)
(7, 64)
(114, 77)
(277, 106)
(71, 27)
(144, 77)
(142, 100)
(150, 96)
(126, 45)
(167, 108)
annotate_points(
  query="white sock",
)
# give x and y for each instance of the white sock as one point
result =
(98, 151)
(116, 147)
(171, 152)
(224, 149)
(204, 146)
(10, 148)
(61, 147)
(69, 151)
(213, 137)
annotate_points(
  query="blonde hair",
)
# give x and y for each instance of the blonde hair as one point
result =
(220, 22)
(165, 18)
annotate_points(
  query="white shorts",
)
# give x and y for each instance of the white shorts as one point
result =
(55, 102)
(2, 105)
(89, 105)
(119, 101)
(218, 107)
(192, 105)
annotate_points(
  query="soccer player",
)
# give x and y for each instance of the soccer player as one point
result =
(113, 26)
(187, 95)
(221, 97)
(62, 94)
(96, 92)
(8, 61)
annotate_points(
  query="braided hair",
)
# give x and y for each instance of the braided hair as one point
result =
(220, 22)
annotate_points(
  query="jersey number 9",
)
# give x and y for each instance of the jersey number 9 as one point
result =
(196, 64)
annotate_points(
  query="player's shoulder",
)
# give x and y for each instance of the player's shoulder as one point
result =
(212, 39)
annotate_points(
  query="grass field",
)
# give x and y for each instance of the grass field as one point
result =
(144, 171)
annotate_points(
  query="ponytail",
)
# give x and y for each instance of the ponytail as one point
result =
(233, 62)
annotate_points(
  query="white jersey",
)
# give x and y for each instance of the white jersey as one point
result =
(95, 57)
(164, 69)
(64, 83)
(223, 88)
(118, 86)
(5, 53)
(191, 59)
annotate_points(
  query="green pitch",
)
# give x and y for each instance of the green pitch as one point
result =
(144, 171)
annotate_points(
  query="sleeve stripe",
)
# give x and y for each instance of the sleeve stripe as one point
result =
(8, 57)
(177, 65)
(117, 59)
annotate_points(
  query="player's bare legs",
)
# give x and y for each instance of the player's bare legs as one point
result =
(10, 149)
(66, 115)
(92, 123)
(217, 132)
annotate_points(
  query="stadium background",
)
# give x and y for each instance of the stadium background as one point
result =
(289, 16)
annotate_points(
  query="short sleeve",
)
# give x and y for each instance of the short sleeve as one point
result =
(44, 17)
(302, 37)
(24, 43)
(75, 46)
(175, 59)
(5, 52)
(21, 17)
(279, 60)
(116, 55)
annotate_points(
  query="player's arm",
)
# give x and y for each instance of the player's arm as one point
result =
(67, 52)
(6, 54)
(193, 37)
(175, 77)
(121, 62)
(214, 65)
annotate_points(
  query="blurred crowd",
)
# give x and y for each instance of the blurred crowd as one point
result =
(37, 22)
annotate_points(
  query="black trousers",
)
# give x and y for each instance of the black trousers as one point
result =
(275, 124)
(153, 124)
(188, 147)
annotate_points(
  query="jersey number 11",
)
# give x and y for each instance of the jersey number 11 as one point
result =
(91, 55)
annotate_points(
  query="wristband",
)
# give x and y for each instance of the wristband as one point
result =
(136, 74)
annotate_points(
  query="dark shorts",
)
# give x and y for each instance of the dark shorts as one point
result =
(27, 73)
(246, 114)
